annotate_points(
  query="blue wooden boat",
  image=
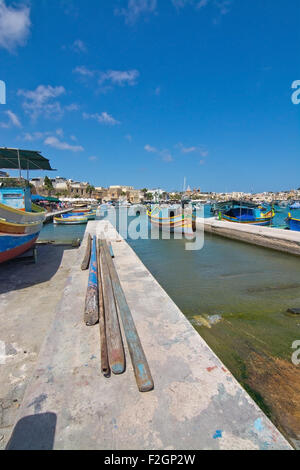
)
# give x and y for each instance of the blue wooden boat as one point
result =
(245, 213)
(19, 226)
(91, 215)
(293, 224)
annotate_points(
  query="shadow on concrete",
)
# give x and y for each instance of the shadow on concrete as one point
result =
(16, 275)
(34, 432)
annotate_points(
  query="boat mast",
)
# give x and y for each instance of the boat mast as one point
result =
(19, 161)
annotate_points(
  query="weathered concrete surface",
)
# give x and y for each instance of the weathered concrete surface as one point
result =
(28, 296)
(196, 404)
(287, 241)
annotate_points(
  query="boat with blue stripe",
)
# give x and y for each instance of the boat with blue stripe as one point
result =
(293, 223)
(19, 225)
(244, 213)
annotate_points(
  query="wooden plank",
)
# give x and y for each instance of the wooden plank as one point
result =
(140, 365)
(87, 257)
(103, 340)
(91, 313)
(115, 346)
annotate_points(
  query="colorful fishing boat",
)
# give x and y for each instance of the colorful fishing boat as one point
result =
(91, 215)
(293, 223)
(74, 220)
(19, 231)
(173, 219)
(19, 226)
(81, 210)
(245, 213)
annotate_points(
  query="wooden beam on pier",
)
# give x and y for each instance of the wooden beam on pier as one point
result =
(87, 256)
(140, 365)
(91, 313)
(115, 348)
(102, 323)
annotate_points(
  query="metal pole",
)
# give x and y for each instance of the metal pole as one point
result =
(19, 160)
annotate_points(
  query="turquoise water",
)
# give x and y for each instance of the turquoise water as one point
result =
(62, 233)
(236, 296)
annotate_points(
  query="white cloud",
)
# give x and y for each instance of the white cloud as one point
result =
(42, 101)
(194, 149)
(13, 120)
(93, 158)
(223, 6)
(79, 46)
(107, 80)
(164, 154)
(84, 71)
(58, 144)
(72, 107)
(14, 25)
(103, 118)
(135, 9)
(150, 149)
(28, 137)
(119, 77)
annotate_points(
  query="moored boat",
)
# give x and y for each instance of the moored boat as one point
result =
(173, 219)
(19, 227)
(74, 220)
(293, 223)
(245, 213)
(91, 215)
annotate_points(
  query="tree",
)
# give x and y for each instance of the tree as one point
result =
(149, 196)
(90, 189)
(48, 183)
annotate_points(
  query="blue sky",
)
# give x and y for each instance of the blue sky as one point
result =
(147, 92)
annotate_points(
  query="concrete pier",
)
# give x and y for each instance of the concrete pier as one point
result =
(196, 403)
(28, 297)
(277, 239)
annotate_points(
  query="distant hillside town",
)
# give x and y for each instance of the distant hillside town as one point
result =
(67, 188)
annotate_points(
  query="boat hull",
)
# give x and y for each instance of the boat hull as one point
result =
(261, 221)
(12, 246)
(15, 216)
(70, 221)
(179, 224)
(293, 224)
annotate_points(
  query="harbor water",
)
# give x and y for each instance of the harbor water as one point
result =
(236, 296)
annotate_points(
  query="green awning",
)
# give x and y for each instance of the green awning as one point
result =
(51, 199)
(14, 159)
